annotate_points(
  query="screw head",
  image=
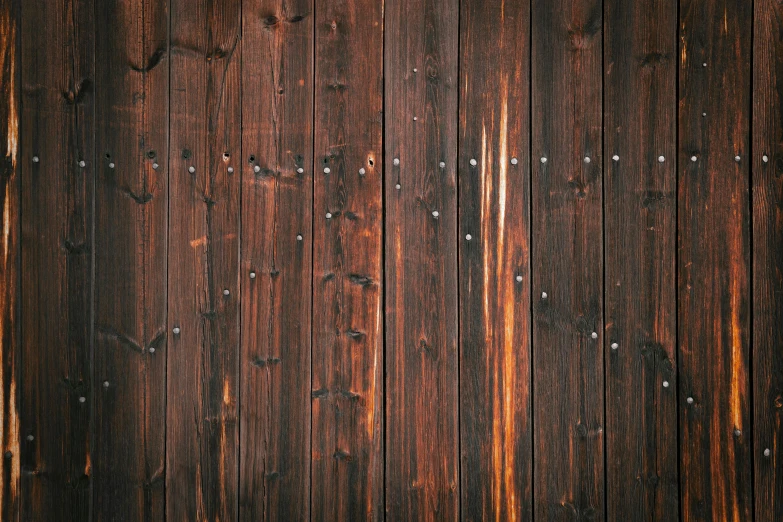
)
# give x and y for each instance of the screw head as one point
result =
(594, 335)
(361, 171)
(191, 169)
(82, 399)
(299, 237)
(665, 384)
(435, 214)
(468, 237)
(252, 275)
(111, 165)
(442, 164)
(328, 215)
(615, 346)
(694, 158)
(396, 161)
(616, 157)
(257, 169)
(473, 162)
(176, 330)
(300, 170)
(765, 158)
(689, 400)
(661, 159)
(226, 291)
(766, 452)
(36, 159)
(514, 161)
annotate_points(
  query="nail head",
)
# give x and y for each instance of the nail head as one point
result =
(587, 159)
(396, 161)
(468, 237)
(361, 171)
(765, 158)
(327, 170)
(252, 275)
(176, 330)
(694, 158)
(191, 169)
(30, 437)
(544, 295)
(155, 166)
(398, 186)
(442, 164)
(594, 335)
(105, 385)
(299, 237)
(257, 169)
(231, 170)
(435, 213)
(473, 162)
(514, 161)
(82, 399)
(615, 346)
(36, 159)
(152, 349)
(665, 384)
(737, 432)
(661, 159)
(543, 159)
(226, 291)
(328, 215)
(766, 452)
(689, 400)
(616, 157)
(111, 165)
(737, 158)
(82, 164)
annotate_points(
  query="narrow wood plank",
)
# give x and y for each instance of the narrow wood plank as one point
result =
(347, 383)
(568, 380)
(494, 272)
(276, 268)
(422, 438)
(9, 260)
(713, 262)
(640, 122)
(203, 285)
(767, 301)
(130, 259)
(57, 198)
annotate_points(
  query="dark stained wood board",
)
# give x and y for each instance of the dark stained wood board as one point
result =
(640, 347)
(276, 267)
(494, 267)
(767, 256)
(567, 260)
(347, 351)
(131, 174)
(205, 173)
(714, 259)
(57, 125)
(422, 434)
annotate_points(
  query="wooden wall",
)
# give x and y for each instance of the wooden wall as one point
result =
(391, 260)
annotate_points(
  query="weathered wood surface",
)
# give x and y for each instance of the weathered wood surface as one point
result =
(131, 203)
(767, 255)
(640, 150)
(494, 272)
(714, 259)
(276, 267)
(347, 377)
(567, 260)
(205, 164)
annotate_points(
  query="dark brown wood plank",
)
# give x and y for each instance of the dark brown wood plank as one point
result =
(9, 260)
(203, 285)
(130, 259)
(767, 255)
(57, 166)
(640, 122)
(568, 380)
(713, 262)
(422, 437)
(347, 380)
(494, 272)
(276, 267)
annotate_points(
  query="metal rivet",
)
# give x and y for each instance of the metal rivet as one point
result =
(665, 384)
(111, 165)
(82, 164)
(176, 330)
(152, 349)
(231, 170)
(587, 159)
(155, 166)
(36, 159)
(737, 432)
(299, 237)
(105, 385)
(616, 157)
(694, 158)
(737, 158)
(468, 237)
(661, 159)
(544, 295)
(226, 291)
(615, 346)
(519, 279)
(361, 171)
(300, 170)
(252, 275)
(328, 215)
(473, 162)
(514, 161)
(82, 399)
(766, 452)
(396, 161)
(435, 213)
(327, 170)
(398, 186)
(594, 335)
(442, 164)
(543, 159)
(689, 400)
(765, 158)
(191, 169)
(257, 169)
(30, 438)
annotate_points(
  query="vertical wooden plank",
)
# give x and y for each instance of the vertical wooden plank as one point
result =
(276, 267)
(494, 272)
(568, 383)
(131, 196)
(767, 255)
(9, 260)
(640, 119)
(422, 438)
(203, 293)
(713, 263)
(347, 382)
(57, 166)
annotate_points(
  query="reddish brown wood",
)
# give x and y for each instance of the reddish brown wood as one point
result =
(203, 284)
(640, 124)
(494, 271)
(9, 260)
(713, 262)
(347, 382)
(131, 202)
(276, 267)
(767, 255)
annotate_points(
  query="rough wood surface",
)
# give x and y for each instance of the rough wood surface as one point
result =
(57, 200)
(131, 201)
(347, 383)
(494, 272)
(713, 262)
(640, 126)
(205, 164)
(567, 264)
(277, 199)
(422, 437)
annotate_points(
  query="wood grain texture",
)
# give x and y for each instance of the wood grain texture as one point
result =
(422, 437)
(494, 268)
(713, 262)
(131, 202)
(57, 199)
(9, 260)
(277, 200)
(767, 255)
(347, 382)
(640, 122)
(568, 380)
(205, 162)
